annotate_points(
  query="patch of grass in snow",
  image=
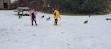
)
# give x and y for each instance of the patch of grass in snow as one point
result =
(79, 14)
(65, 14)
(73, 14)
(1, 30)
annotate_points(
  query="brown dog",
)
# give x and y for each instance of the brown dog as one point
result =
(108, 18)
(85, 22)
(48, 18)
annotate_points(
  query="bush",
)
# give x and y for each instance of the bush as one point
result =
(69, 6)
(84, 6)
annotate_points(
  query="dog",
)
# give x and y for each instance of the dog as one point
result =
(89, 15)
(48, 18)
(108, 18)
(42, 16)
(85, 22)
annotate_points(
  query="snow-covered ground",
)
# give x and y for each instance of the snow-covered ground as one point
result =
(13, 1)
(71, 33)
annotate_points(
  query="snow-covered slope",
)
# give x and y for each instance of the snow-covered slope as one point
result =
(71, 33)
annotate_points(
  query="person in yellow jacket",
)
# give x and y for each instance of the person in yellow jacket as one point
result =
(56, 16)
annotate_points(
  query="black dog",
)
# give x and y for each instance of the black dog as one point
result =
(42, 16)
(86, 22)
(48, 18)
(89, 15)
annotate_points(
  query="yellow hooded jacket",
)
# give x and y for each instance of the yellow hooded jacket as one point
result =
(56, 14)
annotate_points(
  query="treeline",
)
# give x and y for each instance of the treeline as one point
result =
(69, 6)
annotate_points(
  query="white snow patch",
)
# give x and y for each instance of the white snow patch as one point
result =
(71, 32)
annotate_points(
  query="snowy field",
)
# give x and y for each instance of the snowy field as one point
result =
(71, 33)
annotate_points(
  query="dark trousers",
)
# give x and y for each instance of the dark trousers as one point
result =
(56, 20)
(34, 21)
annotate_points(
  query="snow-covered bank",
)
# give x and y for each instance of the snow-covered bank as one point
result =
(71, 33)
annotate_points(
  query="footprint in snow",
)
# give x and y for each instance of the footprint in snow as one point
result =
(11, 28)
(62, 32)
(34, 34)
(6, 33)
(68, 44)
(19, 29)
(9, 39)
